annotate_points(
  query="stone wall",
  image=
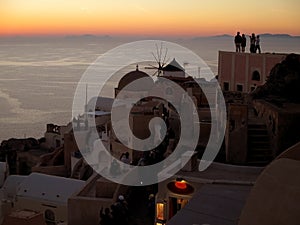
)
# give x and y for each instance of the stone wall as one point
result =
(84, 206)
(236, 133)
(239, 68)
(275, 197)
(85, 210)
(283, 124)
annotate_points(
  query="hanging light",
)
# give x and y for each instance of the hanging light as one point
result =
(180, 183)
(180, 186)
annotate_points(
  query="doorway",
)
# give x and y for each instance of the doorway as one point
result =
(176, 204)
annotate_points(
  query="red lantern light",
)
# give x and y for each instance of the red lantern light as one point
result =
(180, 184)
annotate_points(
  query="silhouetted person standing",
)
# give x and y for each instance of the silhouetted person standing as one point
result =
(257, 44)
(105, 217)
(252, 43)
(151, 207)
(115, 168)
(125, 158)
(244, 42)
(238, 42)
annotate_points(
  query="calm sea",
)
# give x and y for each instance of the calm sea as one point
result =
(38, 76)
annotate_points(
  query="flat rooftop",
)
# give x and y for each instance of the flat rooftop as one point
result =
(223, 173)
(24, 214)
(213, 204)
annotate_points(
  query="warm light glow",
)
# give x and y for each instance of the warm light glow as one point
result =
(156, 17)
(160, 211)
(181, 184)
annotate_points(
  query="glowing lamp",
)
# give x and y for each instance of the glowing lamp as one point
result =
(180, 184)
(160, 211)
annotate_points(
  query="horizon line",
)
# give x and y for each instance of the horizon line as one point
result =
(51, 35)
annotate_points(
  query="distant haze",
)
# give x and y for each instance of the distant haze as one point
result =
(144, 17)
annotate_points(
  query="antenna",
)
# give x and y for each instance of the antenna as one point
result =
(7, 172)
(199, 71)
(86, 87)
(86, 106)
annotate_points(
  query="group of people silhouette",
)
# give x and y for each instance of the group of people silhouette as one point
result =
(118, 214)
(240, 42)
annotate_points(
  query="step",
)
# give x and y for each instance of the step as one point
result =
(258, 136)
(259, 160)
(258, 142)
(259, 146)
(260, 155)
(253, 148)
(259, 149)
(258, 163)
(257, 126)
(258, 139)
(257, 131)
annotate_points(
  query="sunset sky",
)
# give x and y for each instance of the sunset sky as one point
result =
(148, 17)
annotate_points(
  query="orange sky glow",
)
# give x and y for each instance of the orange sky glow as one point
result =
(141, 17)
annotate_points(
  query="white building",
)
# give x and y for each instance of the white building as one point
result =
(38, 192)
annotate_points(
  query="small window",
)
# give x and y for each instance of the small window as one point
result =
(239, 87)
(49, 217)
(256, 75)
(226, 86)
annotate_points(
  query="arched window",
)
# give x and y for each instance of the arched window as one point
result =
(49, 217)
(256, 75)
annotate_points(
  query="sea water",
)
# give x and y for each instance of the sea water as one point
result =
(39, 75)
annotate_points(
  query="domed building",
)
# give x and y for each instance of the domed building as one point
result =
(128, 78)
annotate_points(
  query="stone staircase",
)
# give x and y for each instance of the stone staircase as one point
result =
(81, 170)
(76, 171)
(259, 148)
